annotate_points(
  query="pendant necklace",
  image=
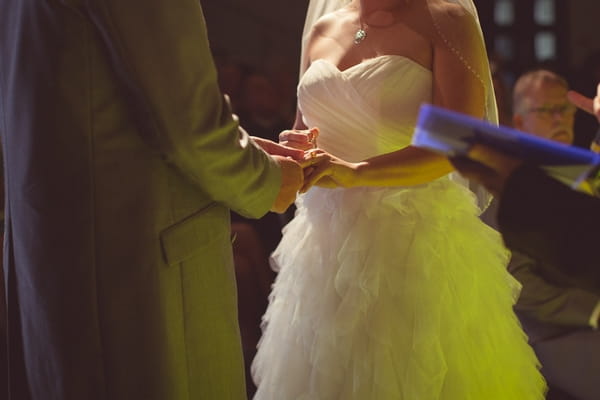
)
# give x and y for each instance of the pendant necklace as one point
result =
(377, 19)
(360, 34)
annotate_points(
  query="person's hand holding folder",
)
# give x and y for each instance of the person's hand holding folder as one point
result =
(488, 154)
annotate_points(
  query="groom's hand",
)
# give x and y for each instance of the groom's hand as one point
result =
(292, 179)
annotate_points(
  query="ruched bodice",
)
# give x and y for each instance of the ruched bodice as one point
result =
(367, 109)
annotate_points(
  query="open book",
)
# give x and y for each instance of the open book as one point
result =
(452, 134)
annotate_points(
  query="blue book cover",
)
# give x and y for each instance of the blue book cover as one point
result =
(452, 134)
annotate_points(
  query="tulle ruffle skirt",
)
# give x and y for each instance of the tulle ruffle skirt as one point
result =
(393, 294)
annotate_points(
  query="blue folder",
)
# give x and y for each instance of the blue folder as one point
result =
(452, 134)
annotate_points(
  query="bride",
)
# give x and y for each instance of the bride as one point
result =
(389, 286)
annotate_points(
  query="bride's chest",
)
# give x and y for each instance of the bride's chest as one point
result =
(389, 85)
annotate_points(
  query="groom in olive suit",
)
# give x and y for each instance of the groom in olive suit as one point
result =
(122, 164)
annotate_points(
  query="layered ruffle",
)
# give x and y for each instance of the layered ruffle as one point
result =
(393, 294)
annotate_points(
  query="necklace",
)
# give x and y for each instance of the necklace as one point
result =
(360, 35)
(377, 18)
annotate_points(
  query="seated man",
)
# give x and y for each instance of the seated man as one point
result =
(559, 314)
(561, 233)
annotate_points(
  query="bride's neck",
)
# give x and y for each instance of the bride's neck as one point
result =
(366, 7)
(377, 13)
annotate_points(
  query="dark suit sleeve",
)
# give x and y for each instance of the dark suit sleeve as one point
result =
(160, 51)
(556, 226)
(551, 299)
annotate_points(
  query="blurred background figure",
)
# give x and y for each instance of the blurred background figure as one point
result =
(260, 109)
(541, 107)
(558, 313)
(230, 75)
(260, 104)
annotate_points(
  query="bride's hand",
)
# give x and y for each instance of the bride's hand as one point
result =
(303, 139)
(325, 170)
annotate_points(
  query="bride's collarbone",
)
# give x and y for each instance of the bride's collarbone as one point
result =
(338, 46)
(399, 39)
(356, 56)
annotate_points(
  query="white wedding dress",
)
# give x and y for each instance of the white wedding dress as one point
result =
(388, 293)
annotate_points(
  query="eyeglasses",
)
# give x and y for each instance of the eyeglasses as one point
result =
(550, 111)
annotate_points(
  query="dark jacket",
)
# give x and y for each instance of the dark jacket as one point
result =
(553, 224)
(122, 162)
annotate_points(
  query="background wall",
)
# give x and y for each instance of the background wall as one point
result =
(265, 35)
(257, 32)
(584, 29)
(262, 31)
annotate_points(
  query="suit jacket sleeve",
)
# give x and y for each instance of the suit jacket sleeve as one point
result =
(160, 51)
(551, 299)
(556, 226)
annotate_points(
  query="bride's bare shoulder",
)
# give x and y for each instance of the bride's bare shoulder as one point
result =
(329, 24)
(452, 14)
(452, 19)
(446, 8)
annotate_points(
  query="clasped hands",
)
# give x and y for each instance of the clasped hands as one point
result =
(320, 168)
(303, 165)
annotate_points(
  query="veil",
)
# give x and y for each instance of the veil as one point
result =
(476, 62)
(316, 9)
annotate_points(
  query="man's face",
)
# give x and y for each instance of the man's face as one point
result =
(547, 113)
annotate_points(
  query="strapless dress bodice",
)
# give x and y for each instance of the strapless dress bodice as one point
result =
(367, 109)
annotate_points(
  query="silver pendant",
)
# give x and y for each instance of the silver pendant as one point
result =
(359, 36)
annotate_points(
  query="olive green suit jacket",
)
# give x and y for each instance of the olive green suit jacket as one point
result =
(122, 163)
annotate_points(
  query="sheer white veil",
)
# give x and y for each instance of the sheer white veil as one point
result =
(316, 9)
(476, 63)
